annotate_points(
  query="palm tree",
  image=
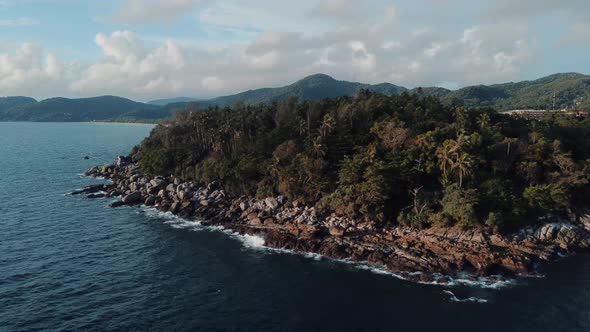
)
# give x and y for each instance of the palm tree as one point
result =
(444, 155)
(463, 164)
(327, 126)
(483, 121)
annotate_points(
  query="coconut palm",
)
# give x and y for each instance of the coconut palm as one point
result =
(463, 165)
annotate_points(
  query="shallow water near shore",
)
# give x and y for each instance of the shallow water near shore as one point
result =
(72, 264)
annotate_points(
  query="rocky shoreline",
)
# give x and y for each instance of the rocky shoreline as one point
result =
(414, 254)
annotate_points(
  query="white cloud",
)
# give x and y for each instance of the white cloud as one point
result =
(283, 44)
(29, 69)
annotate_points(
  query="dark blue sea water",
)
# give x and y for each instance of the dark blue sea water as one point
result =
(68, 264)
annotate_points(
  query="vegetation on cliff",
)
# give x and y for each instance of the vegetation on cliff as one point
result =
(399, 159)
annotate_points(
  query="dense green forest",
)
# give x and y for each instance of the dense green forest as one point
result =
(571, 90)
(406, 159)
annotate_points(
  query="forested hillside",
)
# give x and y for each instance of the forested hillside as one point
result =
(570, 90)
(105, 108)
(393, 159)
(7, 103)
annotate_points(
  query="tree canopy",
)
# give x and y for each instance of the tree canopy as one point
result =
(405, 159)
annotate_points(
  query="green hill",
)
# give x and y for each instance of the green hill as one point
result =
(164, 102)
(314, 87)
(569, 89)
(7, 103)
(104, 108)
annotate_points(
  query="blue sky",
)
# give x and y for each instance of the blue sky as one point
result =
(147, 49)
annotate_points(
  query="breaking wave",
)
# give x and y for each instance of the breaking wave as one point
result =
(256, 242)
(454, 298)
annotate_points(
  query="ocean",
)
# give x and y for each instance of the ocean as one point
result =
(70, 264)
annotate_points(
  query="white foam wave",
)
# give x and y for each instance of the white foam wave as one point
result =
(491, 282)
(253, 241)
(256, 242)
(454, 298)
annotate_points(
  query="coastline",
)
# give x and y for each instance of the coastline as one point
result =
(431, 255)
(153, 124)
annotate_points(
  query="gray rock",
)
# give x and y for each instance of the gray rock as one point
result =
(171, 187)
(184, 195)
(150, 201)
(132, 198)
(335, 231)
(156, 183)
(244, 206)
(271, 202)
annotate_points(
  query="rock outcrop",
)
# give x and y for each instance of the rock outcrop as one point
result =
(289, 225)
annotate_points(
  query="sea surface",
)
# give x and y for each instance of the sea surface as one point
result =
(70, 264)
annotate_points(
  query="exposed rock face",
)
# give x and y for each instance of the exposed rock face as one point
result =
(290, 225)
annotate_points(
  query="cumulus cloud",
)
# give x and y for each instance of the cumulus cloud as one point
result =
(129, 66)
(149, 11)
(371, 48)
(29, 69)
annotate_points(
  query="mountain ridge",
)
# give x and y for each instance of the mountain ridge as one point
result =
(561, 90)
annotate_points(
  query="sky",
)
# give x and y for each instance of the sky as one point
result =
(148, 49)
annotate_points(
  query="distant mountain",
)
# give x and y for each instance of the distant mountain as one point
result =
(7, 103)
(164, 102)
(313, 87)
(104, 108)
(569, 89)
(151, 114)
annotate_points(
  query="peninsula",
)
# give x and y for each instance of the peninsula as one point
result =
(404, 183)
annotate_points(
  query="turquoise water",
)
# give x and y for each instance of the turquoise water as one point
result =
(69, 264)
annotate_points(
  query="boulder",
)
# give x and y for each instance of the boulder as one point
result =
(132, 198)
(156, 183)
(122, 161)
(271, 202)
(184, 195)
(255, 221)
(204, 202)
(174, 207)
(117, 204)
(335, 231)
(171, 188)
(244, 206)
(150, 201)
